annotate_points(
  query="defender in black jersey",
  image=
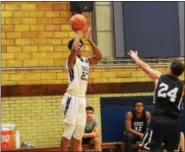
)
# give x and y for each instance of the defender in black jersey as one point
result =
(136, 122)
(164, 126)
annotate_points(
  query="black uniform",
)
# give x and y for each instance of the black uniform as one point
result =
(164, 126)
(138, 124)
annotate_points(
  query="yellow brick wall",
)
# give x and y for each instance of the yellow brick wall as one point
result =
(36, 33)
(39, 119)
(59, 76)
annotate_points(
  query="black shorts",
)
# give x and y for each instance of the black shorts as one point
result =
(86, 140)
(162, 130)
(131, 136)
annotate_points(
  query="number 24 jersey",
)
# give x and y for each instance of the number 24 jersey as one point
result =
(168, 96)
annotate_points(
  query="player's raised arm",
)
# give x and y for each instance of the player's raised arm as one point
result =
(74, 50)
(96, 51)
(144, 66)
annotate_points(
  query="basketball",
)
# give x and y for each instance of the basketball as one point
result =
(78, 22)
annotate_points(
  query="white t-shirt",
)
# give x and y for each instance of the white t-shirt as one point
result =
(78, 77)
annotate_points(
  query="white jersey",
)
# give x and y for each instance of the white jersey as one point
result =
(78, 77)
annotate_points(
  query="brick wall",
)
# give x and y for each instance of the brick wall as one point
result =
(39, 119)
(59, 76)
(36, 33)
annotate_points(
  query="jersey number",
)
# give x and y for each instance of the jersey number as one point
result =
(138, 129)
(164, 92)
(84, 76)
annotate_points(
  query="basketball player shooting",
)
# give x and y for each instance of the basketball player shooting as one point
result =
(164, 126)
(74, 100)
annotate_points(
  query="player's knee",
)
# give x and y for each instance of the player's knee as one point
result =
(68, 131)
(79, 131)
(181, 135)
(97, 141)
(130, 135)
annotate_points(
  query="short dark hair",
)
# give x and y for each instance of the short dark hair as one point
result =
(137, 101)
(177, 67)
(90, 108)
(70, 43)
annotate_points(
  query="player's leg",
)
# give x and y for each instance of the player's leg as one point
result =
(77, 137)
(181, 146)
(76, 144)
(154, 137)
(97, 144)
(172, 137)
(68, 103)
(67, 134)
(80, 124)
(84, 141)
(80, 147)
(128, 138)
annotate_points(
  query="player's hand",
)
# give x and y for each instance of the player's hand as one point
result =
(133, 54)
(141, 135)
(89, 34)
(79, 32)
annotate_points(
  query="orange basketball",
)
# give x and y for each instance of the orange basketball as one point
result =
(78, 22)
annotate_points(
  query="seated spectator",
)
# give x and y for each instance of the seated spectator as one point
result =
(91, 133)
(136, 122)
